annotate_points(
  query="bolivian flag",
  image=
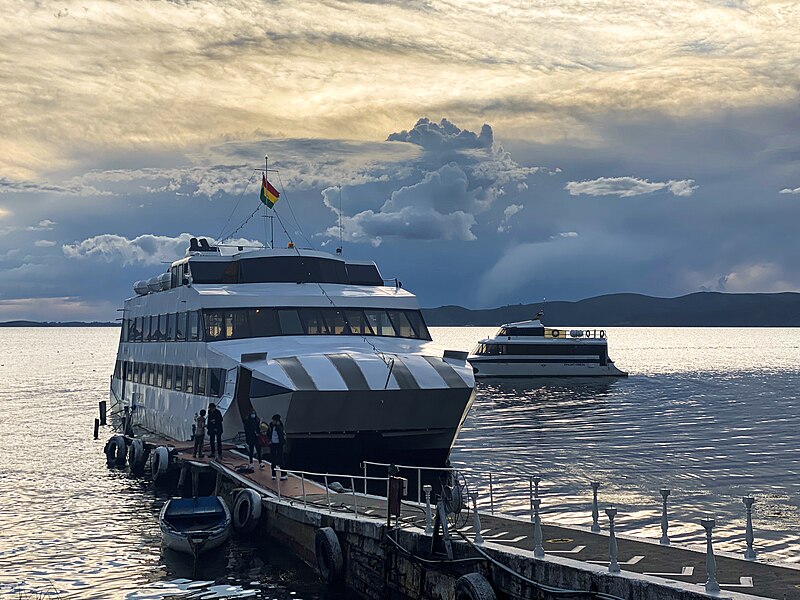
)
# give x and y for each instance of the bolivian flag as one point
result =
(269, 195)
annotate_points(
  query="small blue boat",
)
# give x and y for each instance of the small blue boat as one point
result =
(195, 525)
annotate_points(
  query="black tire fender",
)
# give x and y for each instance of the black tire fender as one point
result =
(136, 456)
(474, 586)
(160, 463)
(246, 510)
(330, 559)
(116, 451)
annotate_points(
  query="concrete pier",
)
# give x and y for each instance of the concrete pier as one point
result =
(379, 561)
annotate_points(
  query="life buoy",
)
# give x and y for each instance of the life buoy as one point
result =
(555, 333)
(116, 449)
(136, 456)
(330, 559)
(246, 510)
(160, 463)
(474, 586)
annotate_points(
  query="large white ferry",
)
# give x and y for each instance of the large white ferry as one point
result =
(529, 349)
(345, 359)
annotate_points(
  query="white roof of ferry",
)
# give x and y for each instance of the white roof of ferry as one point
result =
(228, 253)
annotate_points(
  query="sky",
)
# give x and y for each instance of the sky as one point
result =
(484, 153)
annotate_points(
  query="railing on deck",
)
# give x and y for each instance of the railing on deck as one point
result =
(325, 480)
(490, 477)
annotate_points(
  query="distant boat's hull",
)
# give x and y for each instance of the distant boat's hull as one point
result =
(526, 368)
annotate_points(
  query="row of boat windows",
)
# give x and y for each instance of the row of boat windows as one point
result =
(172, 327)
(241, 323)
(541, 350)
(190, 380)
(276, 269)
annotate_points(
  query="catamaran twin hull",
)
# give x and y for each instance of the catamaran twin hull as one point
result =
(341, 403)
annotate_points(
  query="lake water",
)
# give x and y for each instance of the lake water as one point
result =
(711, 413)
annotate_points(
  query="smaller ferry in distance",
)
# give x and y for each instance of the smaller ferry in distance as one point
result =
(529, 349)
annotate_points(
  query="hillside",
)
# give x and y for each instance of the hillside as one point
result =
(702, 309)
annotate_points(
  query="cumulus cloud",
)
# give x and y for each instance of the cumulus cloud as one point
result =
(461, 174)
(43, 225)
(790, 191)
(147, 249)
(443, 136)
(629, 186)
(508, 212)
(755, 277)
(434, 208)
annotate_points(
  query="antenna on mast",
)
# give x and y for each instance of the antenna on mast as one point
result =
(339, 249)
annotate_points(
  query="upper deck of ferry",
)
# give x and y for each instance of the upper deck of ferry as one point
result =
(209, 275)
(535, 331)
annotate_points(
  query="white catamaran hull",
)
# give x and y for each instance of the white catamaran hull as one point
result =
(528, 368)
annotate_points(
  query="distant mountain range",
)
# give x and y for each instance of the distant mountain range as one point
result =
(702, 309)
(57, 324)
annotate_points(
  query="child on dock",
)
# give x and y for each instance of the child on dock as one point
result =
(199, 433)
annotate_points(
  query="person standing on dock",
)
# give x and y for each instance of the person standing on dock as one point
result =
(252, 427)
(215, 430)
(199, 433)
(277, 438)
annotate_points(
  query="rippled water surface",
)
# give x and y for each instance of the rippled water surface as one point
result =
(712, 414)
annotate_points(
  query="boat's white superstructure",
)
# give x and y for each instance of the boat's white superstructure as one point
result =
(346, 360)
(529, 349)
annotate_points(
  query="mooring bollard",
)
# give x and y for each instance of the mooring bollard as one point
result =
(476, 519)
(711, 564)
(96, 428)
(613, 565)
(538, 549)
(595, 508)
(664, 521)
(750, 553)
(428, 519)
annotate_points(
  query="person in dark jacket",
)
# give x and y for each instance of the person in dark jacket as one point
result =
(277, 437)
(214, 428)
(252, 427)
